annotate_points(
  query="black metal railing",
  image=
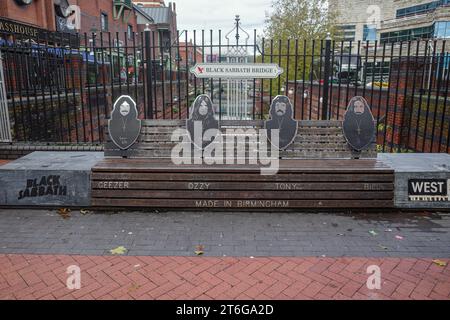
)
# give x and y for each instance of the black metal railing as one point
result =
(64, 93)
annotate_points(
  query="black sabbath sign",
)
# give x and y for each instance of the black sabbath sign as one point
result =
(124, 125)
(281, 118)
(359, 124)
(428, 189)
(45, 186)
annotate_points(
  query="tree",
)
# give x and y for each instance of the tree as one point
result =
(300, 19)
(296, 26)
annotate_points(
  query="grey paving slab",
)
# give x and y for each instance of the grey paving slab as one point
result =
(424, 234)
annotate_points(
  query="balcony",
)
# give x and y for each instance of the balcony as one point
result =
(120, 7)
(126, 3)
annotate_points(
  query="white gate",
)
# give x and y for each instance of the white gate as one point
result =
(5, 127)
(237, 90)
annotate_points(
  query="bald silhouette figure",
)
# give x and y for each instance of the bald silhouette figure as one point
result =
(124, 125)
(359, 127)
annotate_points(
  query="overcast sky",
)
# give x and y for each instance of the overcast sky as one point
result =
(220, 14)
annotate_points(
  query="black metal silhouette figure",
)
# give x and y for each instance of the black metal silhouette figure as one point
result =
(281, 114)
(202, 113)
(359, 125)
(124, 125)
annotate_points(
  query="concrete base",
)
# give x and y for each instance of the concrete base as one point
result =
(63, 179)
(48, 179)
(417, 166)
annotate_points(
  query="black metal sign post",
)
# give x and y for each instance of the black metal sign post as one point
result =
(326, 77)
(149, 73)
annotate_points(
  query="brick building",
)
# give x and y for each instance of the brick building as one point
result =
(118, 17)
(61, 80)
(40, 14)
(188, 53)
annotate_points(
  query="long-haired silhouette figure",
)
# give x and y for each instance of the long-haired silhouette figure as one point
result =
(124, 125)
(359, 125)
(281, 118)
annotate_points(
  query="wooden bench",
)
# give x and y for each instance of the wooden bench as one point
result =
(317, 171)
(314, 140)
(299, 184)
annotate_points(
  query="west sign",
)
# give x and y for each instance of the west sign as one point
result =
(237, 70)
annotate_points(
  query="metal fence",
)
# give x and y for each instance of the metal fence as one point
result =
(5, 127)
(65, 93)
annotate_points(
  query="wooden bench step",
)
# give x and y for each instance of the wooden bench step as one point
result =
(239, 204)
(299, 184)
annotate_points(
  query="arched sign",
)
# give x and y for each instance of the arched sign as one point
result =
(359, 125)
(124, 125)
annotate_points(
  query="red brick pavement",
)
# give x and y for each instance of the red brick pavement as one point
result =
(126, 277)
(2, 162)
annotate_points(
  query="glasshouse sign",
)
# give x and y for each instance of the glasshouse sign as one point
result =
(237, 70)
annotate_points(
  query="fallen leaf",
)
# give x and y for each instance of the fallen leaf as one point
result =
(118, 250)
(373, 233)
(64, 212)
(199, 250)
(133, 287)
(440, 263)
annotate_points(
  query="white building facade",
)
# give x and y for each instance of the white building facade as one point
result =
(392, 21)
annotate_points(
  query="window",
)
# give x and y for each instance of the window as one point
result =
(421, 8)
(370, 33)
(130, 31)
(104, 21)
(378, 71)
(407, 35)
(442, 29)
(347, 32)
